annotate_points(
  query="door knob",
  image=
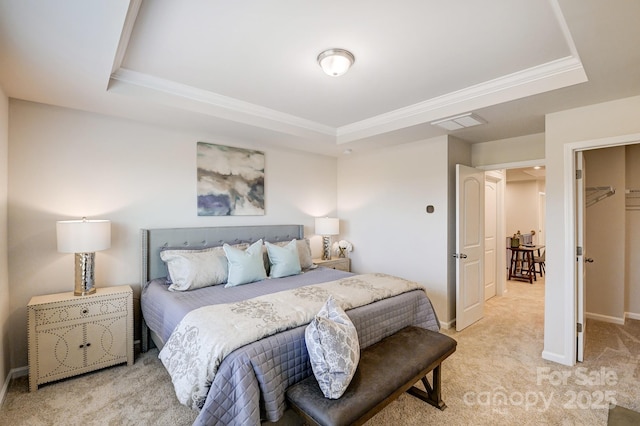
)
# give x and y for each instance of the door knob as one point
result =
(588, 260)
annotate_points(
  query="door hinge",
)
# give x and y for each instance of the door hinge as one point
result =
(579, 251)
(579, 327)
(578, 174)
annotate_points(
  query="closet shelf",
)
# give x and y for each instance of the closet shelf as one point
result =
(632, 199)
(598, 193)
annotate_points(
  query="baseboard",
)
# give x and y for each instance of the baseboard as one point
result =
(605, 318)
(448, 325)
(631, 315)
(19, 372)
(14, 373)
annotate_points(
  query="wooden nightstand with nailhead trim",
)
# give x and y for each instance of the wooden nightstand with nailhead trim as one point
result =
(71, 335)
(341, 263)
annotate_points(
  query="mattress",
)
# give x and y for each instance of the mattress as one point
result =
(163, 309)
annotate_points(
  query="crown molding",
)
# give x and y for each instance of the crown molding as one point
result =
(552, 75)
(542, 78)
(221, 106)
(125, 36)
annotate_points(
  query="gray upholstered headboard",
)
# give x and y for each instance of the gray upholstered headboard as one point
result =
(154, 240)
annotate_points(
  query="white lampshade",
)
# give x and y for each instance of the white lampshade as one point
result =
(327, 226)
(83, 236)
(335, 62)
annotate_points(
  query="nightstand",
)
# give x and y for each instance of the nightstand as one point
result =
(341, 263)
(70, 335)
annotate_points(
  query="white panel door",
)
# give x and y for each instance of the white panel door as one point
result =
(490, 238)
(469, 245)
(581, 277)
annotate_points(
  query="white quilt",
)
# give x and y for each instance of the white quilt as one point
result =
(205, 336)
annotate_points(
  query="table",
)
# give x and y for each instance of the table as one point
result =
(521, 256)
(341, 263)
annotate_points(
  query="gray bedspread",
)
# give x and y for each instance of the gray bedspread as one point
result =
(251, 382)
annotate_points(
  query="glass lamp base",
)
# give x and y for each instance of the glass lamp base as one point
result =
(84, 274)
(326, 247)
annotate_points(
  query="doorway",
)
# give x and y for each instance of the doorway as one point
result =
(516, 203)
(493, 270)
(572, 236)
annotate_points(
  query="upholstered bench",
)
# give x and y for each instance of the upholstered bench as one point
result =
(386, 370)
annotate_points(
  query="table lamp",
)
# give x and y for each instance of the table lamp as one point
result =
(327, 226)
(83, 237)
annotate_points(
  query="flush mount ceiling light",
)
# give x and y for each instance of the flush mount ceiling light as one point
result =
(460, 121)
(335, 62)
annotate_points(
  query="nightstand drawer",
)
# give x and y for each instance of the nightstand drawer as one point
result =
(54, 313)
(341, 263)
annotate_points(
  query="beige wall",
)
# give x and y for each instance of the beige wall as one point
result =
(5, 357)
(521, 207)
(382, 200)
(67, 163)
(609, 122)
(605, 235)
(632, 271)
(512, 150)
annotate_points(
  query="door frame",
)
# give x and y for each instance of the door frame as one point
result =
(570, 241)
(581, 236)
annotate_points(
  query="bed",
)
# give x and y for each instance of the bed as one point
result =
(250, 383)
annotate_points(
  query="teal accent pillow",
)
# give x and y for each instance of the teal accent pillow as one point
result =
(245, 266)
(284, 260)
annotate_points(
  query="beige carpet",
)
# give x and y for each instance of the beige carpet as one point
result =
(496, 377)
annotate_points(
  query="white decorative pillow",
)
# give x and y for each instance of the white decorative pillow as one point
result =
(334, 350)
(284, 260)
(192, 269)
(245, 266)
(304, 252)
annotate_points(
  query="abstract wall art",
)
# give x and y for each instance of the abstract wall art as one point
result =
(230, 181)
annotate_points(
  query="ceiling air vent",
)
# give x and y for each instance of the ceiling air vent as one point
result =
(460, 121)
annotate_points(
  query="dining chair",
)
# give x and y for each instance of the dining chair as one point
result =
(539, 260)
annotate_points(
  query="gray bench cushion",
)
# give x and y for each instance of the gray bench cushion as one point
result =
(386, 369)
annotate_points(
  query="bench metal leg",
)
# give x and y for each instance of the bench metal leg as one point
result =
(433, 394)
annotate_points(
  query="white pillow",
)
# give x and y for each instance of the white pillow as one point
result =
(192, 269)
(245, 266)
(284, 261)
(334, 350)
(304, 252)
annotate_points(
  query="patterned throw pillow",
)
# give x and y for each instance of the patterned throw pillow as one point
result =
(334, 350)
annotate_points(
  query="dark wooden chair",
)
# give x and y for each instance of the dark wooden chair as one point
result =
(538, 262)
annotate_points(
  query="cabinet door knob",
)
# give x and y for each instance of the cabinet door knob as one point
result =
(81, 346)
(88, 344)
(85, 310)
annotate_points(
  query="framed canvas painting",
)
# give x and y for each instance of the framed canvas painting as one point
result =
(230, 181)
